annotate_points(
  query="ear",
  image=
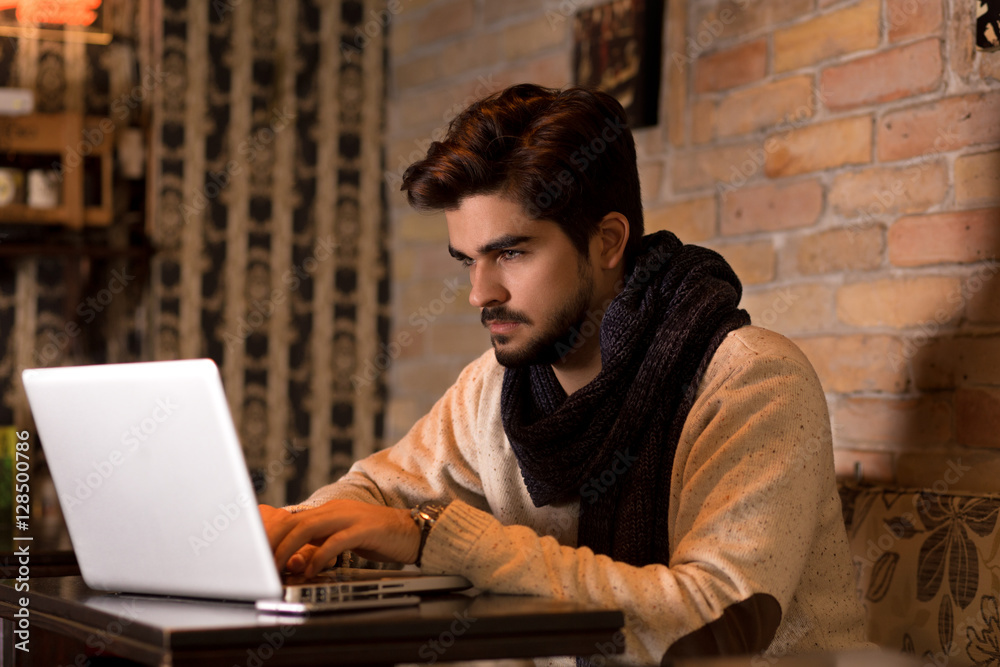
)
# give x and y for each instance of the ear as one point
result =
(612, 235)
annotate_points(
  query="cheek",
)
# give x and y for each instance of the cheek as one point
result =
(548, 288)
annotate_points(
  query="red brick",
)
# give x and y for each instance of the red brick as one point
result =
(732, 18)
(418, 71)
(960, 236)
(404, 262)
(903, 423)
(731, 67)
(902, 302)
(969, 470)
(853, 249)
(430, 227)
(989, 65)
(947, 362)
(431, 260)
(854, 363)
(471, 52)
(523, 39)
(413, 114)
(649, 142)
(766, 105)
(677, 71)
(703, 122)
(977, 178)
(982, 294)
(496, 11)
(443, 20)
(960, 38)
(425, 381)
(691, 221)
(796, 309)
(771, 207)
(457, 337)
(876, 191)
(886, 76)
(650, 179)
(820, 147)
(551, 70)
(977, 416)
(753, 262)
(703, 168)
(940, 126)
(913, 18)
(854, 28)
(875, 467)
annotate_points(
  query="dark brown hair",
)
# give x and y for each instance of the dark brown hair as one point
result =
(566, 156)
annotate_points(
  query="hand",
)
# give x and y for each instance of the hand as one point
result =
(307, 541)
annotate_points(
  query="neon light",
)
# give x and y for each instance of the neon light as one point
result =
(58, 12)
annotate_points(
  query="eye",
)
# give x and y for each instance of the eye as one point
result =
(467, 262)
(510, 254)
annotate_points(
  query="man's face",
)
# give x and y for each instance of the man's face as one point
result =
(532, 286)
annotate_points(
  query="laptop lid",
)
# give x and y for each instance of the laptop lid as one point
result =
(152, 480)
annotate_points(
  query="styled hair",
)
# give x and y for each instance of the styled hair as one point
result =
(564, 155)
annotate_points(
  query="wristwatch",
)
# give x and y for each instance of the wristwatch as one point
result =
(425, 515)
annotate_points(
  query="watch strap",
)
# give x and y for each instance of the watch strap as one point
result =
(425, 515)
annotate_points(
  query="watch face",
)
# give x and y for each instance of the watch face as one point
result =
(431, 510)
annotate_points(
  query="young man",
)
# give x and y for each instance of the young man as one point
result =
(630, 440)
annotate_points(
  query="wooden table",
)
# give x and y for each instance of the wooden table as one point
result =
(51, 551)
(833, 659)
(71, 623)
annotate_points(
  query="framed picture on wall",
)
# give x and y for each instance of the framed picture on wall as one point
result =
(988, 24)
(617, 48)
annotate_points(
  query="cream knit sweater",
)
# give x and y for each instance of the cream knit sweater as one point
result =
(753, 507)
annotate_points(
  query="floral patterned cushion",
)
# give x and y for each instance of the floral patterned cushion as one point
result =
(928, 571)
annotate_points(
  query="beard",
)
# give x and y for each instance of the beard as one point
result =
(559, 334)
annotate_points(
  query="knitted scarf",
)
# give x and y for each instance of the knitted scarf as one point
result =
(611, 444)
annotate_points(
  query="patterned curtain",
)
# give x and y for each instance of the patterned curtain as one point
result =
(266, 218)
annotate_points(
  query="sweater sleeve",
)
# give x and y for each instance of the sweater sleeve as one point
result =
(753, 471)
(435, 460)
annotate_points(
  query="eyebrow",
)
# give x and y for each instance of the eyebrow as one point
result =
(501, 243)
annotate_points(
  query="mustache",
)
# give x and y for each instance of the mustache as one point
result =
(502, 314)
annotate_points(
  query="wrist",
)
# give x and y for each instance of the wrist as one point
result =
(425, 516)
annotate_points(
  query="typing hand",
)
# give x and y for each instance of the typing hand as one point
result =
(307, 541)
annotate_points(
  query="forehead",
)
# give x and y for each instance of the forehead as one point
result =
(481, 218)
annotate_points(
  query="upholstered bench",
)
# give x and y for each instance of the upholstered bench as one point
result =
(928, 571)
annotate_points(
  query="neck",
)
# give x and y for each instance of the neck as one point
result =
(577, 370)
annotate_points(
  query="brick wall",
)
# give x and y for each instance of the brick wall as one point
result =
(843, 156)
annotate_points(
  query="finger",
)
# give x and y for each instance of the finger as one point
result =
(336, 544)
(313, 529)
(278, 533)
(277, 524)
(296, 564)
(298, 560)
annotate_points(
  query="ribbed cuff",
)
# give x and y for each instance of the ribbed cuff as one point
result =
(453, 538)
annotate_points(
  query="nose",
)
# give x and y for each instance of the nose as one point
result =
(487, 288)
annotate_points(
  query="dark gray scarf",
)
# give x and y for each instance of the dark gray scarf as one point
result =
(612, 443)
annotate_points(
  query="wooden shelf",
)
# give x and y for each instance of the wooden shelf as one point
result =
(91, 251)
(69, 138)
(22, 213)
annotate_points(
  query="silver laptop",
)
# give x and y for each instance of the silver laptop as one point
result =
(157, 498)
